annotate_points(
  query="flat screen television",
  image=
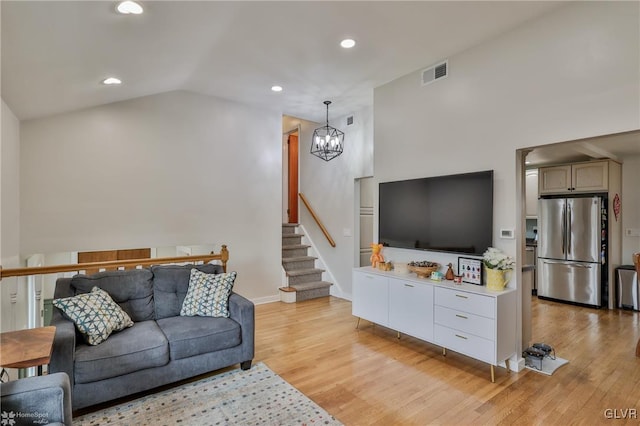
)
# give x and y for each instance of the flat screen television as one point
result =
(443, 213)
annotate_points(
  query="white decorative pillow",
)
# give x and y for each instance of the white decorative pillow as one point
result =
(208, 294)
(95, 314)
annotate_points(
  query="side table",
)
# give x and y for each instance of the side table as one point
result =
(27, 348)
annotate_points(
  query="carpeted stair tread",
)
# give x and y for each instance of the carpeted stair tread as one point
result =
(298, 262)
(291, 239)
(294, 250)
(289, 228)
(295, 246)
(312, 285)
(295, 234)
(301, 272)
(295, 263)
(297, 259)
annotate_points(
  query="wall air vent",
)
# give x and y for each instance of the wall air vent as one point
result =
(435, 72)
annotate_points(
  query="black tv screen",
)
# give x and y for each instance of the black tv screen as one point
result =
(443, 213)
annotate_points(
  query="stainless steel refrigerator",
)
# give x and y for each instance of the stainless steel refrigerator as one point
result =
(571, 249)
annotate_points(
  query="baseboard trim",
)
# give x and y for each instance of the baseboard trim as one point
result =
(266, 299)
(520, 365)
(276, 298)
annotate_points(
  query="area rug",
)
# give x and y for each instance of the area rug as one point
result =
(549, 366)
(257, 396)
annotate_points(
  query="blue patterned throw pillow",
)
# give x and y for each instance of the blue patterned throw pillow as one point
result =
(95, 314)
(208, 294)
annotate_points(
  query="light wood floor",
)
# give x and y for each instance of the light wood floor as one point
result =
(367, 376)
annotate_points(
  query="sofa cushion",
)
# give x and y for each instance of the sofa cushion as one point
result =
(132, 290)
(189, 336)
(170, 285)
(142, 346)
(95, 315)
(208, 294)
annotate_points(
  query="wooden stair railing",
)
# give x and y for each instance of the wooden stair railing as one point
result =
(223, 257)
(317, 219)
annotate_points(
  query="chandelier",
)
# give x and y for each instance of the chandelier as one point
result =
(327, 142)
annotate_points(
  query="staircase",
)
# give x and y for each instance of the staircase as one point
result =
(304, 280)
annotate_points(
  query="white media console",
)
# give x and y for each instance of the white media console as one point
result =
(464, 318)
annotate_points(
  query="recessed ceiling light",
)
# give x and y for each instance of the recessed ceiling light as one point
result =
(348, 43)
(129, 7)
(276, 88)
(111, 81)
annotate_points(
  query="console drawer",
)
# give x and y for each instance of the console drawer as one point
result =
(469, 323)
(465, 343)
(466, 302)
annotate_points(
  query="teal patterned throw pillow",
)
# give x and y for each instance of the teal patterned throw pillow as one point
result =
(95, 314)
(208, 294)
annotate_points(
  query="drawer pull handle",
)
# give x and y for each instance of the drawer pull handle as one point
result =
(408, 285)
(461, 296)
(462, 337)
(369, 277)
(461, 316)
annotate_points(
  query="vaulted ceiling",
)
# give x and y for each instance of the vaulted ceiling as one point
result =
(55, 53)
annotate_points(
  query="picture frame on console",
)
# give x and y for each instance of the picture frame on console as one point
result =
(471, 270)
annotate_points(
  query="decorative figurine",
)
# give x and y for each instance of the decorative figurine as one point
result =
(449, 275)
(376, 256)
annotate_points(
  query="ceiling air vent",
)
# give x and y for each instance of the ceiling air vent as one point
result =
(435, 72)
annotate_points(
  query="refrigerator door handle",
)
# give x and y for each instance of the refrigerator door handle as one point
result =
(571, 264)
(579, 265)
(569, 230)
(564, 228)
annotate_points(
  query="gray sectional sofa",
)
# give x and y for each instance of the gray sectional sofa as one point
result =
(162, 347)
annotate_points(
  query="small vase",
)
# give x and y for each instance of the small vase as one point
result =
(497, 279)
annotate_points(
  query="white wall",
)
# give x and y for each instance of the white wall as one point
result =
(330, 187)
(169, 169)
(568, 75)
(10, 183)
(630, 206)
(13, 290)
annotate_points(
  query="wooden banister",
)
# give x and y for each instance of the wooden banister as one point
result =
(223, 256)
(317, 219)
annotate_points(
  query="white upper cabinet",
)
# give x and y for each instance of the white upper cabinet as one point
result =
(554, 180)
(591, 176)
(531, 194)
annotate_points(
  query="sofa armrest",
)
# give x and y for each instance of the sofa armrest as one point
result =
(64, 345)
(242, 311)
(38, 400)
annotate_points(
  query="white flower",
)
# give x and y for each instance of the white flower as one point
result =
(494, 258)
